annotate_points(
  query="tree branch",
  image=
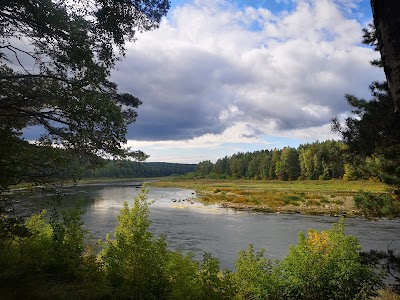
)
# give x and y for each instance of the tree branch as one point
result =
(23, 76)
(42, 115)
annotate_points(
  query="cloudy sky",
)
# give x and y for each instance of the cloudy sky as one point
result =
(219, 76)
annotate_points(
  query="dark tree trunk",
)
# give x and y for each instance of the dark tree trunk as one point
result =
(387, 23)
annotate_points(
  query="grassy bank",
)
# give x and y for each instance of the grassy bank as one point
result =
(334, 197)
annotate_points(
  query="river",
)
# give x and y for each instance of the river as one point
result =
(192, 226)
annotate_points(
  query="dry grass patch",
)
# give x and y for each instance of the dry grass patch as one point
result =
(313, 202)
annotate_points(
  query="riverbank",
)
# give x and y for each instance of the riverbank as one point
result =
(330, 197)
(333, 197)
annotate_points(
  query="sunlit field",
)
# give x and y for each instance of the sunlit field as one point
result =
(330, 196)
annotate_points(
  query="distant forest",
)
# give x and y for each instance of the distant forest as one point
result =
(318, 160)
(123, 169)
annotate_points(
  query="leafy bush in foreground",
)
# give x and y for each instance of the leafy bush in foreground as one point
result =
(326, 265)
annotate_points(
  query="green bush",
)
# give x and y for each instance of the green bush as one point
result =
(378, 205)
(135, 262)
(139, 266)
(326, 265)
(254, 275)
(213, 283)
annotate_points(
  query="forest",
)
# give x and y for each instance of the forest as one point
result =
(314, 161)
(134, 169)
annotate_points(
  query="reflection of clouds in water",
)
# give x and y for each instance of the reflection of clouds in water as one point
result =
(108, 198)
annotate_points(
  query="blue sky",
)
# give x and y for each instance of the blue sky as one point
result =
(219, 77)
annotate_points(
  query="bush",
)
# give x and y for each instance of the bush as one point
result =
(214, 284)
(135, 262)
(254, 275)
(326, 265)
(139, 266)
(378, 205)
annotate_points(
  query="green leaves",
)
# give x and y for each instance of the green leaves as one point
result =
(327, 265)
(55, 61)
(373, 132)
(378, 205)
(324, 265)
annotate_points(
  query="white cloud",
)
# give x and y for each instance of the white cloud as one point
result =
(208, 76)
(230, 113)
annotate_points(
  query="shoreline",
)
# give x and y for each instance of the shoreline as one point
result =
(290, 209)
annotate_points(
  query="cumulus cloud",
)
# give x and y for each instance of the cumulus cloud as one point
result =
(213, 65)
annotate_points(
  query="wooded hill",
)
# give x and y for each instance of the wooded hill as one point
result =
(124, 169)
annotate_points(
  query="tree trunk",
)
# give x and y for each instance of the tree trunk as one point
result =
(387, 24)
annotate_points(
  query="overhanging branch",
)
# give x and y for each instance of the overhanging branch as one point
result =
(24, 76)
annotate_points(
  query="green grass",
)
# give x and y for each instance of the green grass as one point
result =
(301, 187)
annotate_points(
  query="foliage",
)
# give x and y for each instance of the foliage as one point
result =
(326, 265)
(182, 272)
(254, 275)
(124, 169)
(318, 160)
(373, 132)
(289, 164)
(51, 262)
(51, 255)
(213, 283)
(55, 60)
(135, 262)
(378, 205)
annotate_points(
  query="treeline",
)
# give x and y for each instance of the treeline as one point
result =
(318, 160)
(123, 169)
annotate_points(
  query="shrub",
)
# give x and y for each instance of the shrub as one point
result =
(47, 260)
(338, 202)
(135, 262)
(378, 205)
(254, 275)
(325, 200)
(313, 202)
(213, 283)
(326, 265)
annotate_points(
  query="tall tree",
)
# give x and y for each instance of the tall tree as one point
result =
(387, 23)
(374, 130)
(55, 62)
(289, 165)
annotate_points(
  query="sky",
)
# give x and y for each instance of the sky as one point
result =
(220, 77)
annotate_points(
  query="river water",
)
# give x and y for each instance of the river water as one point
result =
(192, 226)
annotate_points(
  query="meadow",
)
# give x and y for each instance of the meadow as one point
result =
(307, 196)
